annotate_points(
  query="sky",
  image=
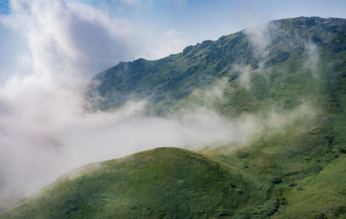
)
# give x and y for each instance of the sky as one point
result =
(155, 28)
(50, 49)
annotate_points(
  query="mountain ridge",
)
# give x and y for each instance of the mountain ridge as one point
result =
(289, 75)
(200, 65)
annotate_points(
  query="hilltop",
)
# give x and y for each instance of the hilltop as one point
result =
(290, 75)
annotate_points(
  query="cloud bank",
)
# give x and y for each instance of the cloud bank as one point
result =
(45, 130)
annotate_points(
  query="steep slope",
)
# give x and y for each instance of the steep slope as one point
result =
(282, 62)
(289, 74)
(280, 67)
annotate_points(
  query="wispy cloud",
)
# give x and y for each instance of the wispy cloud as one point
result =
(44, 127)
(171, 42)
(313, 58)
(75, 34)
(42, 107)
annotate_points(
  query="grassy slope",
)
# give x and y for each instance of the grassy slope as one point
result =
(309, 154)
(161, 183)
(168, 81)
(296, 172)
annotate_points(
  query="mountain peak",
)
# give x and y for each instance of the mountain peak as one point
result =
(277, 92)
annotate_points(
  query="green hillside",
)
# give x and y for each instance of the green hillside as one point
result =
(292, 82)
(161, 183)
(301, 58)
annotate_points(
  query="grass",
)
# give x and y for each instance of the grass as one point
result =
(293, 168)
(322, 193)
(161, 183)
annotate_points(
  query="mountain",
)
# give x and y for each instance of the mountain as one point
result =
(288, 75)
(273, 55)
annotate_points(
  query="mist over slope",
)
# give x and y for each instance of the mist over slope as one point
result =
(260, 61)
(264, 106)
(45, 129)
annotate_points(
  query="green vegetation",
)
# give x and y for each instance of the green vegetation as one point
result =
(294, 167)
(161, 183)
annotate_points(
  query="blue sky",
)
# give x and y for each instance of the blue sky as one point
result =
(4, 6)
(203, 19)
(50, 49)
(147, 28)
(206, 19)
(199, 20)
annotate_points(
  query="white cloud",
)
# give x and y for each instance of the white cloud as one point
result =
(75, 34)
(44, 127)
(313, 58)
(258, 28)
(66, 43)
(170, 42)
(245, 77)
